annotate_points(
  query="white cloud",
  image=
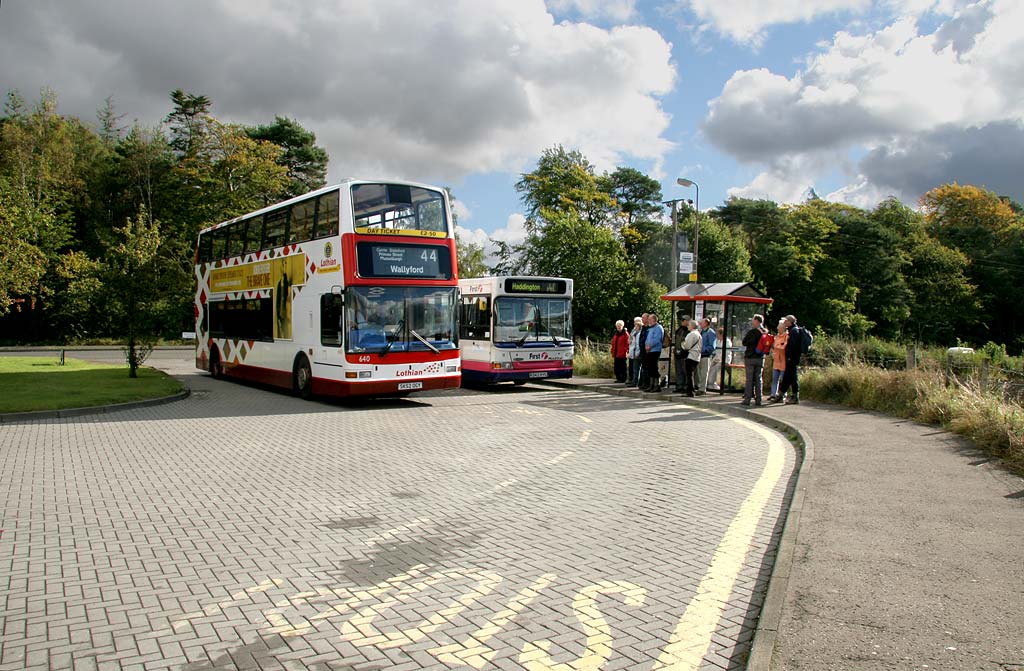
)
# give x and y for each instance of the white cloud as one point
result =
(744, 21)
(392, 88)
(590, 10)
(876, 91)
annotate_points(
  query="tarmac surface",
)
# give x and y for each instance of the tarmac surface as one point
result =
(904, 548)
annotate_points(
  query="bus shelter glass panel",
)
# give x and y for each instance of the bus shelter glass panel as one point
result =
(736, 326)
(521, 320)
(401, 319)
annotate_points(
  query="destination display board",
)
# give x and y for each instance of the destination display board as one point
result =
(533, 286)
(381, 259)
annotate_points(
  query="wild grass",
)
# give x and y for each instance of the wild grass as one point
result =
(41, 383)
(592, 360)
(993, 423)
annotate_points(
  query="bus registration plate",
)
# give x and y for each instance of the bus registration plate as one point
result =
(402, 386)
(539, 374)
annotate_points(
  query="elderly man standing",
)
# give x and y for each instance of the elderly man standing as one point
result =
(708, 342)
(753, 362)
(652, 346)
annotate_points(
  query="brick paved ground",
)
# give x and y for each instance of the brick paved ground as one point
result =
(525, 528)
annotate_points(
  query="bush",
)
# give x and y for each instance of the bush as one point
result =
(993, 424)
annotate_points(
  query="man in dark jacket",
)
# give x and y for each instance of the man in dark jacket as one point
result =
(794, 348)
(753, 362)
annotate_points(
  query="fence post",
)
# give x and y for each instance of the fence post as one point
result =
(984, 376)
(947, 371)
(912, 357)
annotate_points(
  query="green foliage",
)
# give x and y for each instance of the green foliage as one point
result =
(564, 183)
(305, 162)
(22, 264)
(470, 258)
(133, 286)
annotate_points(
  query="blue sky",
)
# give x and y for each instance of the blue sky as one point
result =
(760, 98)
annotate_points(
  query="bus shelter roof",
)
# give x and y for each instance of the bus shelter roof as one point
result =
(738, 292)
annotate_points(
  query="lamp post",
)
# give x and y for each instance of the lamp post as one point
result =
(696, 233)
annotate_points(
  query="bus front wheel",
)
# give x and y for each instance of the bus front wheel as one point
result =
(303, 381)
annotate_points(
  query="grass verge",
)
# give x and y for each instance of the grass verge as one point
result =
(40, 383)
(994, 425)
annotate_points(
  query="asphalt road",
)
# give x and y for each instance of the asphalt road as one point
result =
(515, 528)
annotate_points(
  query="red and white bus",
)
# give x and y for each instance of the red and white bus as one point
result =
(347, 290)
(516, 329)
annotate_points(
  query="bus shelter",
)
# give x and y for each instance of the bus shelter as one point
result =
(729, 306)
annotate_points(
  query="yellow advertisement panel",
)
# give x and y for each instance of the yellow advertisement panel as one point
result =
(280, 275)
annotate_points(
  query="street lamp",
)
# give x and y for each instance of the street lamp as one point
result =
(696, 233)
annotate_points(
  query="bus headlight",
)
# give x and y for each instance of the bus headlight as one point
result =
(451, 369)
(497, 365)
(567, 363)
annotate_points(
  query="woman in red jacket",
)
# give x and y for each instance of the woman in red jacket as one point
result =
(620, 350)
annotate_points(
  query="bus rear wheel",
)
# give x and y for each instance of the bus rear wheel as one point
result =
(303, 378)
(519, 383)
(216, 368)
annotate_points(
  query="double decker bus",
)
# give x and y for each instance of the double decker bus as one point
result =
(348, 290)
(516, 328)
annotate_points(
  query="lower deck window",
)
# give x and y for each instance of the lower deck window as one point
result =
(245, 319)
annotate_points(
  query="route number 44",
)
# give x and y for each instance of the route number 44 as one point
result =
(429, 255)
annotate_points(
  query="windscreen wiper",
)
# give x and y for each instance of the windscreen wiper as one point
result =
(389, 343)
(424, 341)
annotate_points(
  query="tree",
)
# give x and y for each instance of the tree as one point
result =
(606, 285)
(305, 162)
(22, 264)
(132, 282)
(188, 121)
(470, 258)
(987, 230)
(637, 196)
(564, 182)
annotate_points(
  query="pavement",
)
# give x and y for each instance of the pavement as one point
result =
(903, 549)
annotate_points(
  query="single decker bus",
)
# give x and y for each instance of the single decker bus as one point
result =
(348, 290)
(515, 329)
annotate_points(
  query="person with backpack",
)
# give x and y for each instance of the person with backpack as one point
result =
(753, 361)
(778, 360)
(798, 342)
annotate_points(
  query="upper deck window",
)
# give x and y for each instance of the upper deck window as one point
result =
(398, 207)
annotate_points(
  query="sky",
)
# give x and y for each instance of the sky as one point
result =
(858, 100)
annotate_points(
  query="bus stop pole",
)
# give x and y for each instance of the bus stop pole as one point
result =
(672, 309)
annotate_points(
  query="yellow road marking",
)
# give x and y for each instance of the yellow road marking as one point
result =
(585, 435)
(474, 650)
(562, 457)
(692, 636)
(585, 419)
(535, 656)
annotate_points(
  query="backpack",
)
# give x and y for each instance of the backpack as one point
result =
(806, 340)
(764, 345)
